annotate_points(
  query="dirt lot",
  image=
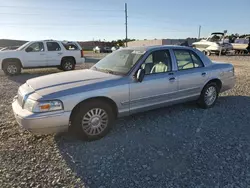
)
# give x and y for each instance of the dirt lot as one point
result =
(178, 146)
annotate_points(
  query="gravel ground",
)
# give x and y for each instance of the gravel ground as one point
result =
(178, 146)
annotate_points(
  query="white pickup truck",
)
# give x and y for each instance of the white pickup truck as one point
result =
(39, 54)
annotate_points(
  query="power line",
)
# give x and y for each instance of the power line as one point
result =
(56, 8)
(75, 16)
(54, 25)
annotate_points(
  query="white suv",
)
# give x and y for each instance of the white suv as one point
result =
(39, 54)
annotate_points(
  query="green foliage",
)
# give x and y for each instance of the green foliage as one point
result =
(121, 42)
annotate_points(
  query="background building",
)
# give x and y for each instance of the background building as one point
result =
(157, 42)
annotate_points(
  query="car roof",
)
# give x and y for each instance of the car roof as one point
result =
(63, 41)
(217, 33)
(148, 48)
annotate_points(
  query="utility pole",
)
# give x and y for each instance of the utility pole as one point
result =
(126, 24)
(199, 35)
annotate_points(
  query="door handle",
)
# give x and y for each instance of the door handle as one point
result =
(172, 79)
(203, 74)
(59, 53)
(42, 54)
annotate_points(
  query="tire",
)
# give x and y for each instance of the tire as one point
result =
(207, 52)
(12, 68)
(86, 113)
(68, 64)
(205, 101)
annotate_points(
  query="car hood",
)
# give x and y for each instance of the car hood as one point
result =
(9, 54)
(68, 82)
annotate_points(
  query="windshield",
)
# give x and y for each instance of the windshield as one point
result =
(23, 46)
(215, 37)
(119, 62)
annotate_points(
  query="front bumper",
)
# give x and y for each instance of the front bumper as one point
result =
(41, 123)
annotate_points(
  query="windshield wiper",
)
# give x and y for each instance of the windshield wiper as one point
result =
(107, 71)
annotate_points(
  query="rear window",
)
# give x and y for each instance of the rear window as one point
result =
(53, 46)
(70, 46)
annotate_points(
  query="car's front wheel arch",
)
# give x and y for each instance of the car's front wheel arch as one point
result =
(101, 98)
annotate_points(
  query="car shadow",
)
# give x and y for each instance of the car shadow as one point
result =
(32, 73)
(177, 146)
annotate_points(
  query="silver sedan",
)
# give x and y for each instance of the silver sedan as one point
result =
(128, 81)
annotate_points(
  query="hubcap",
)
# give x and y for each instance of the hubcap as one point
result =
(95, 121)
(210, 95)
(68, 65)
(12, 69)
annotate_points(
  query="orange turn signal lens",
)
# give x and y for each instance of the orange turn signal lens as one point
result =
(45, 107)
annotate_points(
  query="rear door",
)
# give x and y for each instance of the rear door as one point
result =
(192, 74)
(35, 55)
(54, 53)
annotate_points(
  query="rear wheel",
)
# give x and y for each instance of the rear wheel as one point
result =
(68, 64)
(209, 96)
(12, 68)
(93, 120)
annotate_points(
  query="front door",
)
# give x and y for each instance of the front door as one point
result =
(35, 55)
(54, 54)
(159, 85)
(192, 75)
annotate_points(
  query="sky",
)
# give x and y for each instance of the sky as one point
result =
(83, 20)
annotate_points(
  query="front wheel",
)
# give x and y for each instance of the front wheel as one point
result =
(12, 68)
(209, 96)
(93, 120)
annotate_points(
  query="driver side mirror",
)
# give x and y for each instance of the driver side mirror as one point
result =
(140, 75)
(29, 49)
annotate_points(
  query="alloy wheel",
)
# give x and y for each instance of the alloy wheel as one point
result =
(210, 95)
(68, 65)
(12, 69)
(95, 121)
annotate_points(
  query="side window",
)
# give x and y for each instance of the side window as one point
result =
(53, 46)
(35, 47)
(197, 61)
(149, 59)
(157, 62)
(187, 60)
(70, 46)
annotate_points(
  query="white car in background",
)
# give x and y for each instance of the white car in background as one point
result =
(39, 54)
(96, 49)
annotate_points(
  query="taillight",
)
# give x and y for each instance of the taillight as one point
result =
(82, 53)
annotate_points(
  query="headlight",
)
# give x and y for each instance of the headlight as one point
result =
(29, 104)
(45, 106)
